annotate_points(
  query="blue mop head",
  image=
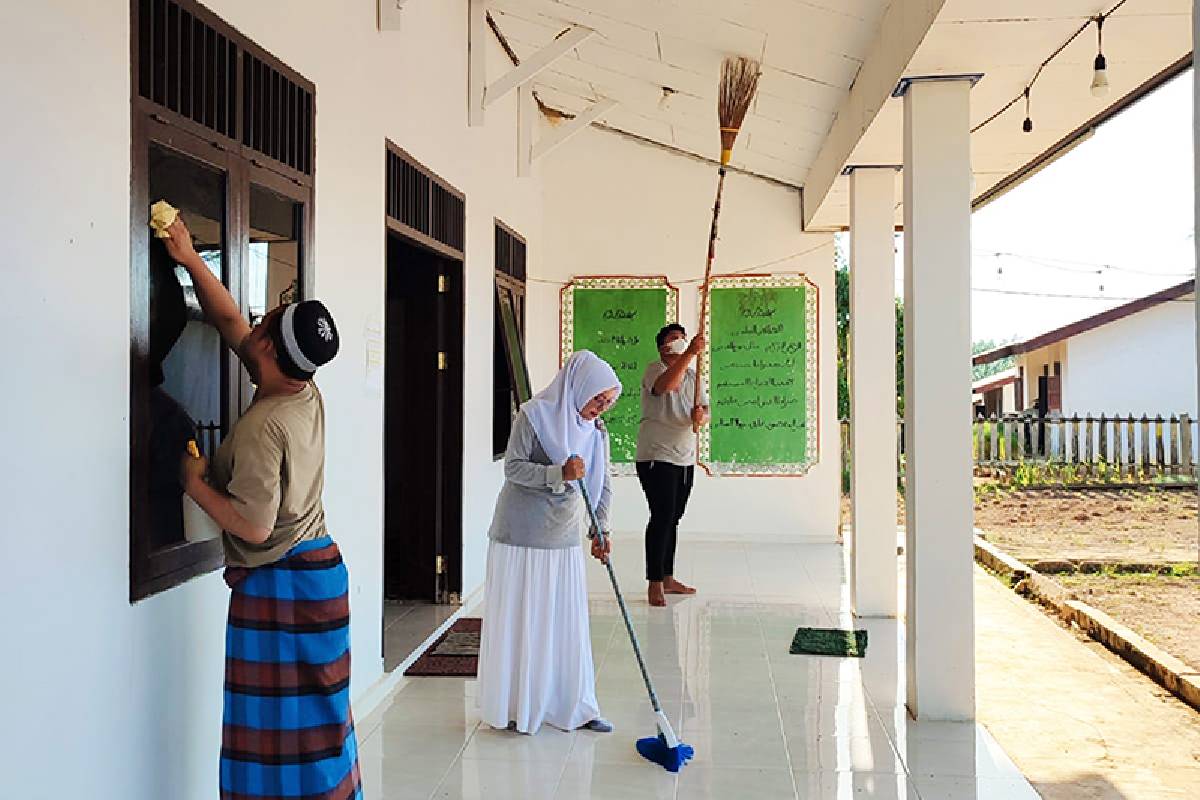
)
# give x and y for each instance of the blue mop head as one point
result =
(655, 748)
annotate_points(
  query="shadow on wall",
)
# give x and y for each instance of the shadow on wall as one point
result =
(1089, 786)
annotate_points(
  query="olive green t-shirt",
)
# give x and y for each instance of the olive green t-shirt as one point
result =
(272, 465)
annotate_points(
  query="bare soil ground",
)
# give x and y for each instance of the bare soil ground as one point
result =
(1164, 609)
(1141, 526)
(1144, 526)
(1132, 525)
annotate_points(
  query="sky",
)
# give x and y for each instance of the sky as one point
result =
(1121, 199)
(1109, 221)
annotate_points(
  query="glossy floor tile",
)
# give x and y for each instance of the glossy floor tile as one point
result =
(765, 724)
(406, 625)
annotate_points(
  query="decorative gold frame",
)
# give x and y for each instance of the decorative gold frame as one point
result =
(812, 384)
(567, 317)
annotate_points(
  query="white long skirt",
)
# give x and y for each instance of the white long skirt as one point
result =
(535, 654)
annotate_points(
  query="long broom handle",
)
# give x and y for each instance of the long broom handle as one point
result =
(612, 577)
(712, 253)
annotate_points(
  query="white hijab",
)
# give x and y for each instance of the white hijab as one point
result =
(554, 414)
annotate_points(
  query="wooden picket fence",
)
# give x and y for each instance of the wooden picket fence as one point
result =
(1123, 447)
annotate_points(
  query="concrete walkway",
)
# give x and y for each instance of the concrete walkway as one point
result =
(1078, 721)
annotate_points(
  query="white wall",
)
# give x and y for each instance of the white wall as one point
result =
(1009, 399)
(615, 207)
(119, 701)
(1142, 364)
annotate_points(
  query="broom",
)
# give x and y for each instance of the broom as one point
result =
(739, 82)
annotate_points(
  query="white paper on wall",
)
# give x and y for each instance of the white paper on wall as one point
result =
(373, 337)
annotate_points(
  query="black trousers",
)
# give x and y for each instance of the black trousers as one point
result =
(667, 489)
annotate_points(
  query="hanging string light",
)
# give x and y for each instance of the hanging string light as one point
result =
(1099, 71)
(1100, 66)
(665, 101)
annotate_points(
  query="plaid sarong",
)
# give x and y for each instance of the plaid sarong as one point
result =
(288, 732)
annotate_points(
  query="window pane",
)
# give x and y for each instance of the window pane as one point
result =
(503, 395)
(274, 275)
(185, 364)
(513, 347)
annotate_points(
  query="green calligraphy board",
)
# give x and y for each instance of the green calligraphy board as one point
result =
(761, 365)
(617, 319)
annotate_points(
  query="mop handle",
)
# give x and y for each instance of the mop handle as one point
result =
(612, 577)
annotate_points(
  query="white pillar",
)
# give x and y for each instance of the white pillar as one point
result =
(940, 607)
(872, 351)
(1196, 198)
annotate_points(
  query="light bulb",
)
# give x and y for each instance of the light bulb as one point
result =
(1100, 77)
(1100, 67)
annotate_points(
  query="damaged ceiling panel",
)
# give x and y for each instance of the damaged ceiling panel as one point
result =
(660, 60)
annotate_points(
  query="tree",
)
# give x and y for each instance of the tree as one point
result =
(842, 290)
(899, 357)
(980, 371)
(841, 276)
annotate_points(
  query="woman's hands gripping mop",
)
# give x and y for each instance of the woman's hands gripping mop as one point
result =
(665, 749)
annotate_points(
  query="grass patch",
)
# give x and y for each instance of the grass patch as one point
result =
(1131, 573)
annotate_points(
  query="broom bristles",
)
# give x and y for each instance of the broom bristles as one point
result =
(739, 82)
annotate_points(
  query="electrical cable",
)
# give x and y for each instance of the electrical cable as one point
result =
(1024, 94)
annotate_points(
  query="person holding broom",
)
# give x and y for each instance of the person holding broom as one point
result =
(674, 402)
(287, 727)
(535, 652)
(666, 452)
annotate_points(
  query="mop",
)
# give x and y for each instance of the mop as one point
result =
(665, 749)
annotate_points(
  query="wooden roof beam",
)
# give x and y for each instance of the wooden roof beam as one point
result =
(901, 31)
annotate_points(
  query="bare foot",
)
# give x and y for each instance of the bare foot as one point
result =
(672, 586)
(655, 595)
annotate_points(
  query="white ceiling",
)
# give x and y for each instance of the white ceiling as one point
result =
(812, 50)
(1007, 41)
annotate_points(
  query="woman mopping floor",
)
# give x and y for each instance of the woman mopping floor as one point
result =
(535, 655)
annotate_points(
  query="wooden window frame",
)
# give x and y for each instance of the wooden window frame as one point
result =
(240, 44)
(513, 290)
(395, 202)
(153, 571)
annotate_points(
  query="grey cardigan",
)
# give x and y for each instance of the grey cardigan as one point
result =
(536, 508)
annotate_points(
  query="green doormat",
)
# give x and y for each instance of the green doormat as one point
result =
(829, 642)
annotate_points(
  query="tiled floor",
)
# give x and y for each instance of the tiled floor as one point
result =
(406, 625)
(765, 724)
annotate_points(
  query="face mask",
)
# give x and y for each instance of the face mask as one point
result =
(677, 347)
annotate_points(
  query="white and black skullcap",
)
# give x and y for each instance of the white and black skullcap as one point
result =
(308, 336)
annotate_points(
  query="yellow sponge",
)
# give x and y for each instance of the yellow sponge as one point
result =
(162, 216)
